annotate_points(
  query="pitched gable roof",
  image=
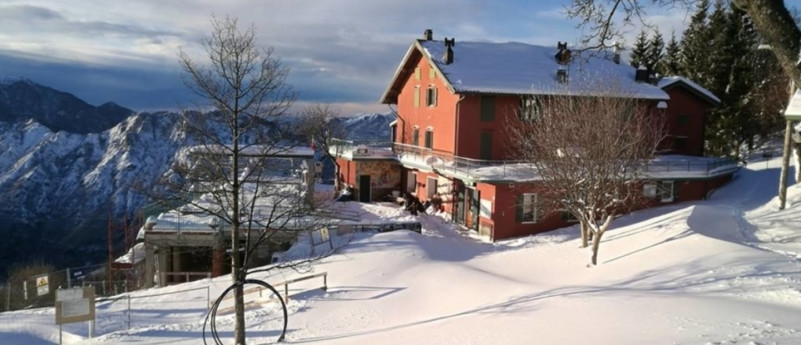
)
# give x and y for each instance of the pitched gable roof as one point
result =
(668, 83)
(519, 68)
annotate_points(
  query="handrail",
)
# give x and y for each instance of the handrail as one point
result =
(286, 286)
(478, 169)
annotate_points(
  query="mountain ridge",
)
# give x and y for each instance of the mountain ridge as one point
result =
(60, 187)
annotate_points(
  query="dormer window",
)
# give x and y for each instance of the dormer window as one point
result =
(530, 108)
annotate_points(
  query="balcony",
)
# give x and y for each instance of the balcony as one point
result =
(478, 170)
(474, 170)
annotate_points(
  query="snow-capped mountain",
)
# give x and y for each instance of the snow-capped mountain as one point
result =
(66, 167)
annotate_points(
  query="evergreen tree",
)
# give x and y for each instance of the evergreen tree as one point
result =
(656, 52)
(693, 46)
(639, 54)
(720, 57)
(671, 63)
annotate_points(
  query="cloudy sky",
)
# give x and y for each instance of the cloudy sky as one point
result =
(339, 51)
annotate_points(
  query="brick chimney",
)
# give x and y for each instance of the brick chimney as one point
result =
(447, 58)
(428, 34)
(563, 54)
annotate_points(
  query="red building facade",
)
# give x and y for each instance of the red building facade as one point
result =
(455, 103)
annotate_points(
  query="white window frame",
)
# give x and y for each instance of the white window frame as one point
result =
(431, 96)
(530, 206)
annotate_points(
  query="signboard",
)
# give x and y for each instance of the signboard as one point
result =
(42, 286)
(324, 236)
(793, 111)
(75, 305)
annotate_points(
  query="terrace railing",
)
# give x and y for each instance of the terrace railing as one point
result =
(449, 164)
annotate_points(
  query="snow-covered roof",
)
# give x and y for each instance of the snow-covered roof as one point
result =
(258, 150)
(668, 82)
(519, 68)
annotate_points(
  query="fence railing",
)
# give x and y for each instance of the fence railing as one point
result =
(186, 275)
(448, 164)
(285, 284)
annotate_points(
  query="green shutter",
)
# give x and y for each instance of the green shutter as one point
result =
(487, 108)
(675, 191)
(485, 148)
(519, 208)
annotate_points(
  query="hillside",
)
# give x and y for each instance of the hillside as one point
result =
(721, 271)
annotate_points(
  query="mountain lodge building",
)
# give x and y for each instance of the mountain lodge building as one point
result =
(455, 101)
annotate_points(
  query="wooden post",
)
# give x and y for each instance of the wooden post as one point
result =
(325, 282)
(129, 311)
(69, 281)
(286, 292)
(788, 130)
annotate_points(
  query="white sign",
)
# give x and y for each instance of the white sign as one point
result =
(42, 287)
(72, 308)
(69, 294)
(324, 236)
(793, 111)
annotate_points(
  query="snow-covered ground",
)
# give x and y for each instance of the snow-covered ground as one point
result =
(721, 271)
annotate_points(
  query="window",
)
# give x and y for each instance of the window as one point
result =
(432, 73)
(416, 136)
(666, 191)
(485, 146)
(530, 108)
(487, 108)
(528, 208)
(416, 96)
(680, 143)
(683, 119)
(417, 73)
(429, 139)
(431, 187)
(649, 190)
(431, 96)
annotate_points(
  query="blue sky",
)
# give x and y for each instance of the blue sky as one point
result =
(340, 51)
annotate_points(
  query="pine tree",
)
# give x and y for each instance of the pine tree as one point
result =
(639, 54)
(693, 46)
(671, 63)
(720, 57)
(656, 52)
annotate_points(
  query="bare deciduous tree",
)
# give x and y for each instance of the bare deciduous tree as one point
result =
(607, 19)
(589, 154)
(230, 166)
(319, 124)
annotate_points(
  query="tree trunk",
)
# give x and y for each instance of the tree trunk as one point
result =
(584, 235)
(337, 181)
(596, 243)
(775, 24)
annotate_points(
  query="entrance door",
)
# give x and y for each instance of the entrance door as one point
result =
(364, 188)
(475, 204)
(411, 182)
(459, 204)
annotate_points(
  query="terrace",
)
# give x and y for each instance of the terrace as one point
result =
(480, 170)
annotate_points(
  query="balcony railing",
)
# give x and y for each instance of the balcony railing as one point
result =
(456, 166)
(448, 164)
(361, 148)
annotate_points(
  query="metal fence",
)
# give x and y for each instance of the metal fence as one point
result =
(25, 293)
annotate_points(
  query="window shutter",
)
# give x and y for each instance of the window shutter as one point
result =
(538, 208)
(675, 190)
(519, 208)
(416, 137)
(487, 108)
